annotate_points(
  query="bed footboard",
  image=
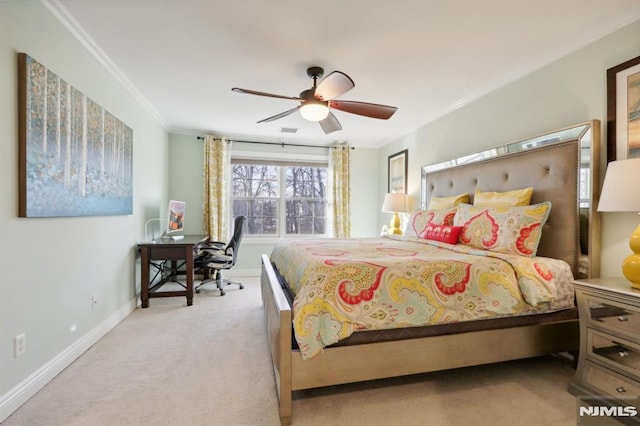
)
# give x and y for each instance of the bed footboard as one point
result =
(347, 364)
(277, 313)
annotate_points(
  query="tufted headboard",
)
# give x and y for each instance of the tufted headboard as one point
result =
(553, 169)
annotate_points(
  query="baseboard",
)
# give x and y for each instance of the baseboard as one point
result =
(14, 398)
(235, 273)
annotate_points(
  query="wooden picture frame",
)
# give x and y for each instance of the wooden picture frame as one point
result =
(623, 110)
(74, 157)
(397, 172)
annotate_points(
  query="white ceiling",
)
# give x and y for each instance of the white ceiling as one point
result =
(427, 57)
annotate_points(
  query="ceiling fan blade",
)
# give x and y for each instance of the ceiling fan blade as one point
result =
(330, 124)
(382, 112)
(282, 114)
(333, 85)
(270, 95)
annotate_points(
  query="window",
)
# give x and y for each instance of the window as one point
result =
(584, 185)
(280, 200)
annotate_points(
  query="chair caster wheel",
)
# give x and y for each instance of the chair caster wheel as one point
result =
(198, 291)
(241, 286)
(222, 293)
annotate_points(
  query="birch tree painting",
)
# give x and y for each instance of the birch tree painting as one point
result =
(76, 159)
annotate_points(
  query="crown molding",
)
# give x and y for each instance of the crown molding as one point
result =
(70, 23)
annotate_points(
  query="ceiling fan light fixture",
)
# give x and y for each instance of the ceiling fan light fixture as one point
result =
(314, 111)
(317, 102)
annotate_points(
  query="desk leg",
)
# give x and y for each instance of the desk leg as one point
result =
(144, 277)
(189, 258)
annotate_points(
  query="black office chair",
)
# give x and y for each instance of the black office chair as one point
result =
(216, 256)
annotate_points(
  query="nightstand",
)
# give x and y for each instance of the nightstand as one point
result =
(609, 362)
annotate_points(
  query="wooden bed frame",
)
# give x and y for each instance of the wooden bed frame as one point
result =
(346, 364)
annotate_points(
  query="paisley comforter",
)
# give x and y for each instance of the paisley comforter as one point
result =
(346, 285)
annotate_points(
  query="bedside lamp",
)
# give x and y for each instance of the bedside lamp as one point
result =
(620, 194)
(395, 203)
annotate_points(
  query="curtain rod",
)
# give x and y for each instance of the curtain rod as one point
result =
(281, 144)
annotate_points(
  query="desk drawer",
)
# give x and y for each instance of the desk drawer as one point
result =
(168, 253)
(608, 383)
(619, 353)
(612, 315)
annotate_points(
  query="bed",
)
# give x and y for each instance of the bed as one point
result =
(560, 166)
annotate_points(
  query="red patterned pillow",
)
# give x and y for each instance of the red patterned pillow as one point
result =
(443, 233)
(421, 218)
(515, 230)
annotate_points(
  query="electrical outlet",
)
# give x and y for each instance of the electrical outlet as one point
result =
(19, 345)
(94, 301)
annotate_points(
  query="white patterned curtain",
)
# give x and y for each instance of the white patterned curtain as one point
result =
(217, 168)
(341, 189)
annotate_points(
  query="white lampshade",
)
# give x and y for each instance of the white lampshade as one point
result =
(314, 111)
(395, 203)
(619, 191)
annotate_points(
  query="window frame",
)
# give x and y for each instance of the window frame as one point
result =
(283, 160)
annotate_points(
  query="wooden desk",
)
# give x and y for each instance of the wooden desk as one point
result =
(167, 250)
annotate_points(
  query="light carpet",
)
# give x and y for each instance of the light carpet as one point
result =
(208, 364)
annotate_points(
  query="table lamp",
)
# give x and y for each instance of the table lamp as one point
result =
(620, 194)
(146, 228)
(395, 203)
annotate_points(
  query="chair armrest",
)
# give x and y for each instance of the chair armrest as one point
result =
(212, 251)
(215, 243)
(220, 258)
(210, 244)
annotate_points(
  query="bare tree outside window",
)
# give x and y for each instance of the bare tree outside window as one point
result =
(258, 190)
(255, 195)
(305, 194)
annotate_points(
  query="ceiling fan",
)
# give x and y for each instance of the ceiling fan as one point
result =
(316, 103)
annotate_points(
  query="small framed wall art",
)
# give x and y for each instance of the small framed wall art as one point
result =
(398, 172)
(623, 110)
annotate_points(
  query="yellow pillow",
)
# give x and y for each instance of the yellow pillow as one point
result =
(440, 203)
(519, 197)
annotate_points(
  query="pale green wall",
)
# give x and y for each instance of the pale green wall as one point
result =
(568, 91)
(185, 176)
(52, 267)
(364, 189)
